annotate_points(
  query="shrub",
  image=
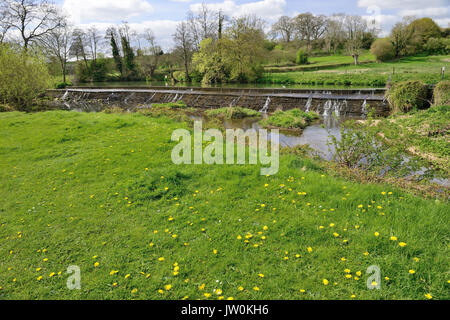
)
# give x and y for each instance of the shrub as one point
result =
(408, 95)
(383, 50)
(233, 113)
(23, 77)
(291, 119)
(442, 93)
(302, 57)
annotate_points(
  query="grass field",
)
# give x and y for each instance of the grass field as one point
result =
(99, 191)
(426, 68)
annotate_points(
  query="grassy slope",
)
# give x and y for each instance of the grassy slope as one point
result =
(424, 131)
(77, 185)
(420, 68)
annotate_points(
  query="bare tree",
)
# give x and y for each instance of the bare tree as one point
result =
(334, 36)
(154, 52)
(184, 41)
(203, 24)
(32, 18)
(78, 46)
(58, 43)
(355, 27)
(284, 28)
(4, 25)
(94, 41)
(310, 27)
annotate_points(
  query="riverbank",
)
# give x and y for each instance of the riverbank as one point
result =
(99, 191)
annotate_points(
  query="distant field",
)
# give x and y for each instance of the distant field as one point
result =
(324, 62)
(426, 69)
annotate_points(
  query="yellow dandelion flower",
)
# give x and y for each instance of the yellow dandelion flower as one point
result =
(134, 291)
(168, 287)
(412, 271)
(96, 264)
(402, 244)
(325, 282)
(428, 296)
(256, 288)
(241, 288)
(393, 238)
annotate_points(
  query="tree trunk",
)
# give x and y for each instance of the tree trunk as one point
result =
(356, 58)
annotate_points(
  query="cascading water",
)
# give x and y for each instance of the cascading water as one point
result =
(337, 108)
(364, 110)
(235, 101)
(327, 108)
(308, 105)
(266, 106)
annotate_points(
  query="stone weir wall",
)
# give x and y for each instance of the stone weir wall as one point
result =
(342, 102)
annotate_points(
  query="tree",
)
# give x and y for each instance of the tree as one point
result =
(113, 37)
(154, 52)
(383, 49)
(284, 28)
(32, 19)
(4, 25)
(78, 46)
(423, 29)
(334, 37)
(243, 48)
(94, 42)
(355, 27)
(57, 43)
(202, 24)
(309, 27)
(400, 37)
(184, 41)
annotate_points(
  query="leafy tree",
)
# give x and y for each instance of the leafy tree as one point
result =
(115, 50)
(383, 49)
(422, 30)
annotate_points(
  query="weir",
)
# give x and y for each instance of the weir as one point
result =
(338, 102)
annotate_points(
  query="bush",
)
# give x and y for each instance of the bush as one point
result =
(383, 50)
(408, 95)
(291, 119)
(302, 57)
(435, 46)
(23, 77)
(442, 93)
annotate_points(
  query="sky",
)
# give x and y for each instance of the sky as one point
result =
(163, 16)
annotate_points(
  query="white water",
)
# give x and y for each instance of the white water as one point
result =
(266, 106)
(364, 110)
(308, 105)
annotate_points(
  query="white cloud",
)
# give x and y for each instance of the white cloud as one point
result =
(85, 11)
(429, 12)
(401, 4)
(266, 9)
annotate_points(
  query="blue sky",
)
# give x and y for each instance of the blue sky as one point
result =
(162, 16)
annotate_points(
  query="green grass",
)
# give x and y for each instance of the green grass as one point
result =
(171, 105)
(426, 69)
(291, 119)
(323, 63)
(93, 188)
(233, 113)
